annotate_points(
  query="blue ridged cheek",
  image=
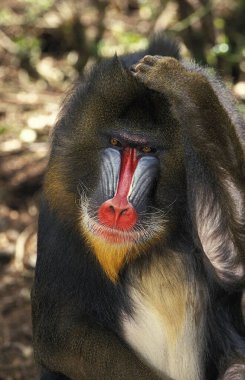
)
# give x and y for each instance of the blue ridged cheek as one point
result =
(144, 178)
(110, 169)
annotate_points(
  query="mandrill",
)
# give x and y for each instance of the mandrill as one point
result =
(141, 241)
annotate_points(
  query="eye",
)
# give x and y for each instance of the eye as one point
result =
(115, 142)
(148, 149)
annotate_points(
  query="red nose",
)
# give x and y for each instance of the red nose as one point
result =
(118, 212)
(117, 215)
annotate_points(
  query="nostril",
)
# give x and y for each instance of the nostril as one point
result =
(123, 212)
(112, 210)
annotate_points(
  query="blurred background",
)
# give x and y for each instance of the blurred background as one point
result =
(44, 47)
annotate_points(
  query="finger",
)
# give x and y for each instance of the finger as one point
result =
(132, 68)
(149, 59)
(142, 68)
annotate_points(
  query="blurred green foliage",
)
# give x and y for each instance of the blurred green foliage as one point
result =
(210, 31)
(35, 8)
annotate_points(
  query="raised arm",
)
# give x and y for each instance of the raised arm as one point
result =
(214, 159)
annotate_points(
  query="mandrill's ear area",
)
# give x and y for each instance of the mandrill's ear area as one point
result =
(212, 137)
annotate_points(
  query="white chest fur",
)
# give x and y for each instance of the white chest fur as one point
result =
(166, 327)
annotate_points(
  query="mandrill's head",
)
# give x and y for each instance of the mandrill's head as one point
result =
(116, 166)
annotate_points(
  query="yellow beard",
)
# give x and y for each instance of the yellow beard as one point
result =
(111, 256)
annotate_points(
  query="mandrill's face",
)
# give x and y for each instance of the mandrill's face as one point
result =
(131, 206)
(118, 220)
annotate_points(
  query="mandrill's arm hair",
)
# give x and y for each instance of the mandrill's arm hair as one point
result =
(91, 353)
(214, 159)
